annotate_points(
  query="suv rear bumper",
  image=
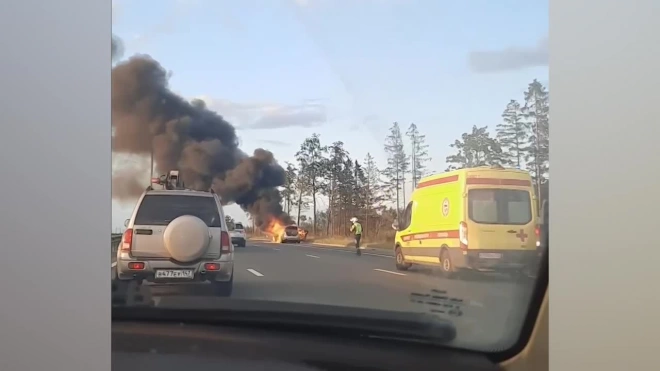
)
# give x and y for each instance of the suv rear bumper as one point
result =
(200, 273)
(497, 260)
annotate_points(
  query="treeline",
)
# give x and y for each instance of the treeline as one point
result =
(521, 139)
(351, 188)
(360, 188)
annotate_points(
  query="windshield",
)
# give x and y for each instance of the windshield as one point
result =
(305, 115)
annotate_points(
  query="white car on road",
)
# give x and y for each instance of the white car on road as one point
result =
(177, 236)
(238, 236)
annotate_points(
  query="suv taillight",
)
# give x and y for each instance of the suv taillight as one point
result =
(127, 240)
(462, 235)
(225, 242)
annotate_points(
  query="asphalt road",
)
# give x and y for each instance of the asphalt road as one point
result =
(493, 307)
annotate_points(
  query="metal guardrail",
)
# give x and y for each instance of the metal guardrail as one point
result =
(114, 243)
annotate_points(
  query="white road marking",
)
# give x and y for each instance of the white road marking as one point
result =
(352, 251)
(390, 272)
(114, 264)
(255, 272)
(313, 256)
(382, 256)
(276, 249)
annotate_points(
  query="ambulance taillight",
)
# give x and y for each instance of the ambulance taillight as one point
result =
(462, 236)
(537, 233)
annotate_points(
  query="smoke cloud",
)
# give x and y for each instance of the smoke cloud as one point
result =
(187, 136)
(117, 48)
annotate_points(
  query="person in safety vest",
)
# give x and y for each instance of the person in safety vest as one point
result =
(356, 229)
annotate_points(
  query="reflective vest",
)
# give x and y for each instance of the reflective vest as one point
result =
(357, 228)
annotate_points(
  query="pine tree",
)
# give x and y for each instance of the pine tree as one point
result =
(302, 192)
(397, 164)
(418, 153)
(289, 191)
(537, 114)
(346, 179)
(474, 149)
(513, 135)
(311, 164)
(335, 162)
(374, 182)
(373, 191)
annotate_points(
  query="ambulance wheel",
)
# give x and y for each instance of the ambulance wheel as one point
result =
(400, 260)
(446, 265)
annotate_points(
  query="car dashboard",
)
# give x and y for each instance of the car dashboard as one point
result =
(163, 346)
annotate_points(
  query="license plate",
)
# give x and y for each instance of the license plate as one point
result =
(175, 273)
(490, 255)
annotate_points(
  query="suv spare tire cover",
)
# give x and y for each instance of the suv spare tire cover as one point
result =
(186, 238)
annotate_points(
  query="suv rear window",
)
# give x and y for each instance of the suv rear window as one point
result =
(499, 206)
(238, 226)
(162, 209)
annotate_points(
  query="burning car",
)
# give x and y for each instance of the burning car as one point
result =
(289, 234)
(281, 233)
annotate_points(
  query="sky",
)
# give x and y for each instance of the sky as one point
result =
(345, 69)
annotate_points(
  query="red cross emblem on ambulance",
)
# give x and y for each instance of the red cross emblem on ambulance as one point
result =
(522, 235)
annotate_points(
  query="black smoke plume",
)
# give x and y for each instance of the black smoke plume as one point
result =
(117, 48)
(147, 115)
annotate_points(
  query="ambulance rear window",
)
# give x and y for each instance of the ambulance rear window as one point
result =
(499, 206)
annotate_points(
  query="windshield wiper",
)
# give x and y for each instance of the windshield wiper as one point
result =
(282, 316)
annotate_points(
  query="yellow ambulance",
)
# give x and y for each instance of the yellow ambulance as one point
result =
(481, 219)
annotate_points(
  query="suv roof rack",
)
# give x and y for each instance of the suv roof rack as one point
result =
(172, 182)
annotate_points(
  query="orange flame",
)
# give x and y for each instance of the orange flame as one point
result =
(274, 228)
